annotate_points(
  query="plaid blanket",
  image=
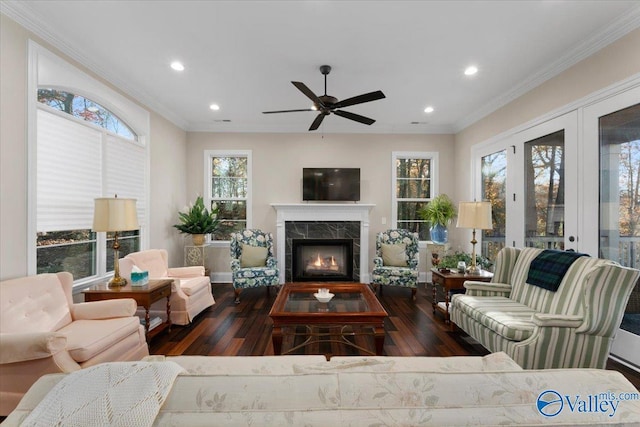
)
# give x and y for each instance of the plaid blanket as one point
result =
(549, 267)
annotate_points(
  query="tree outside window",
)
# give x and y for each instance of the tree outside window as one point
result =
(229, 192)
(413, 175)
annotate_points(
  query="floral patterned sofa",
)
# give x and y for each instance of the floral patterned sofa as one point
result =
(368, 391)
(252, 261)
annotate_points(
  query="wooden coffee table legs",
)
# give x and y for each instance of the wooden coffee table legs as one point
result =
(315, 336)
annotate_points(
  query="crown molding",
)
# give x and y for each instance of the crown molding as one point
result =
(615, 30)
(23, 15)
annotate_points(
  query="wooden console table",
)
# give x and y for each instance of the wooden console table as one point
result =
(145, 295)
(451, 281)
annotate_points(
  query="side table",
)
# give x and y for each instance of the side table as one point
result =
(452, 281)
(145, 295)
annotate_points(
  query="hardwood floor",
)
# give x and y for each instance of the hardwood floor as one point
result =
(227, 329)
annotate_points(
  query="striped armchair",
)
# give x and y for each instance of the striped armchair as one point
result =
(572, 327)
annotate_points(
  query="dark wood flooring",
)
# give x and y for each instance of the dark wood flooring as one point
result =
(227, 329)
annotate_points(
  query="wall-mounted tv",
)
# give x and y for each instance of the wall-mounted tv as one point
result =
(331, 184)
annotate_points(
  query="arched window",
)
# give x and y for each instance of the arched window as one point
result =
(85, 109)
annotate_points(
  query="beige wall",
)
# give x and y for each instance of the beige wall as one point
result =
(168, 160)
(278, 160)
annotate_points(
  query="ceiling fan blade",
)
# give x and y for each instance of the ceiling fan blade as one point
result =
(288, 111)
(312, 96)
(316, 123)
(356, 117)
(367, 97)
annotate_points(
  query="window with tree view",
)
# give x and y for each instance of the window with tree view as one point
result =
(229, 192)
(77, 162)
(494, 187)
(413, 175)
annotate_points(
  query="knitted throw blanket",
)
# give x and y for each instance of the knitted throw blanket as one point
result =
(109, 394)
(549, 267)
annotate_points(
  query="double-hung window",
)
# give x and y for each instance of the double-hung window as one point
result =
(228, 186)
(414, 185)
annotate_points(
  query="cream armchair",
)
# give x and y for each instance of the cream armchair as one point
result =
(42, 331)
(191, 289)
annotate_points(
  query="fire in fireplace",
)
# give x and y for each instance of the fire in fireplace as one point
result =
(322, 259)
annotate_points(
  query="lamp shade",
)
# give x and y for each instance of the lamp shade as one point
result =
(115, 214)
(475, 215)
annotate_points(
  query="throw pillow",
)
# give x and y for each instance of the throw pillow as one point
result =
(253, 256)
(393, 255)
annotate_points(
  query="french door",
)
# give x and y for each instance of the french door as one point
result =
(531, 179)
(612, 149)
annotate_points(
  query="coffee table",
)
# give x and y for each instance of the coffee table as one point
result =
(354, 310)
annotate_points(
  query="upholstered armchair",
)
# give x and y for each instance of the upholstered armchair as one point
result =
(191, 289)
(252, 261)
(42, 331)
(396, 261)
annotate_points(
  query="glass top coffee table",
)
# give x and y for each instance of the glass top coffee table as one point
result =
(354, 310)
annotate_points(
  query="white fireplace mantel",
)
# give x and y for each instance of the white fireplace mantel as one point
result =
(324, 212)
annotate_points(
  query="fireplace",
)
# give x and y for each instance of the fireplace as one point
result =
(322, 259)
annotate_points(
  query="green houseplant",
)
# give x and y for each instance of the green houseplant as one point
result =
(438, 212)
(198, 221)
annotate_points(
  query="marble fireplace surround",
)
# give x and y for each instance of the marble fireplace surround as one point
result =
(356, 212)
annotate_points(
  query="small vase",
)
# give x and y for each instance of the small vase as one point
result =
(198, 239)
(439, 234)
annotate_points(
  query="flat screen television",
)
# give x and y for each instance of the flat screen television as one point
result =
(331, 184)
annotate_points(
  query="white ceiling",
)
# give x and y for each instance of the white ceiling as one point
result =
(243, 55)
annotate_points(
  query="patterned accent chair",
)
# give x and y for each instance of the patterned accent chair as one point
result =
(252, 261)
(396, 261)
(571, 327)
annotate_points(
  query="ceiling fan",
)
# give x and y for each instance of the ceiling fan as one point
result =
(327, 104)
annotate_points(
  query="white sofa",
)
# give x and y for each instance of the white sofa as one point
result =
(366, 391)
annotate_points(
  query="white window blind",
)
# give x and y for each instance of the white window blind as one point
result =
(125, 172)
(69, 164)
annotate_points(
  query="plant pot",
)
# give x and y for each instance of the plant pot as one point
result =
(439, 234)
(198, 239)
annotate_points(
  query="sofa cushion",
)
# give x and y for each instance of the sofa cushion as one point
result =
(193, 285)
(503, 316)
(88, 338)
(394, 255)
(33, 304)
(253, 256)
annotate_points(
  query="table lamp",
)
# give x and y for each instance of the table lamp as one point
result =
(114, 214)
(475, 215)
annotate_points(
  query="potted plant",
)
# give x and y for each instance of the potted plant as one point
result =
(451, 260)
(439, 212)
(198, 221)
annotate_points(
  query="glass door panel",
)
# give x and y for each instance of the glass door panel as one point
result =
(544, 191)
(620, 186)
(612, 141)
(494, 189)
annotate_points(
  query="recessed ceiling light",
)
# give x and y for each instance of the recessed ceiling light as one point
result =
(214, 107)
(177, 66)
(471, 70)
(429, 109)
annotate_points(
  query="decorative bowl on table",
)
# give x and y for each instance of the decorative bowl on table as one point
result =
(323, 297)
